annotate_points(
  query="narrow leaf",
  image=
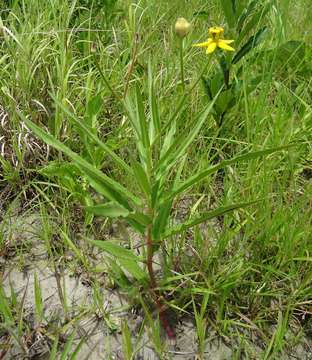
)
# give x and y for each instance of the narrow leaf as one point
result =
(116, 250)
(38, 299)
(126, 258)
(252, 42)
(229, 11)
(93, 172)
(141, 178)
(92, 136)
(133, 268)
(110, 209)
(205, 217)
(201, 175)
(182, 142)
(155, 123)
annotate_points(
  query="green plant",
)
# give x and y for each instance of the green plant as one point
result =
(157, 171)
(244, 22)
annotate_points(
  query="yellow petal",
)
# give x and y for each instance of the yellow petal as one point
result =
(211, 47)
(223, 45)
(227, 41)
(203, 44)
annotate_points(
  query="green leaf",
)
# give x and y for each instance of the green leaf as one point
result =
(68, 346)
(5, 310)
(225, 100)
(133, 268)
(203, 174)
(245, 14)
(254, 22)
(142, 119)
(205, 217)
(86, 130)
(118, 274)
(140, 218)
(116, 250)
(141, 178)
(182, 142)
(74, 248)
(161, 220)
(94, 105)
(126, 258)
(252, 42)
(127, 341)
(109, 209)
(59, 169)
(103, 189)
(38, 299)
(155, 123)
(111, 188)
(228, 7)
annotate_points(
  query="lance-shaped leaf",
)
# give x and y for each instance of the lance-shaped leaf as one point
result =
(228, 7)
(252, 42)
(114, 210)
(154, 129)
(253, 22)
(205, 217)
(183, 141)
(246, 12)
(203, 174)
(109, 209)
(86, 130)
(126, 258)
(112, 189)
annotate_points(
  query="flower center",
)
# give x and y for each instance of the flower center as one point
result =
(216, 32)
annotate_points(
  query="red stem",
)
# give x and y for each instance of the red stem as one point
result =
(153, 283)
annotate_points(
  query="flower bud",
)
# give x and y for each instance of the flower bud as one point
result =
(182, 27)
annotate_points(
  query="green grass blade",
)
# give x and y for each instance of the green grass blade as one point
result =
(38, 299)
(126, 341)
(75, 249)
(5, 309)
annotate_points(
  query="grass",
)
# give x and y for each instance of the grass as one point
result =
(245, 276)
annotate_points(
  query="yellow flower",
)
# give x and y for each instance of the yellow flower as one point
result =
(216, 40)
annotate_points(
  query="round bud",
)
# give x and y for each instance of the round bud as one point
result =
(182, 27)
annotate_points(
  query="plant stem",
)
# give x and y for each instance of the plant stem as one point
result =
(182, 64)
(153, 284)
(183, 98)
